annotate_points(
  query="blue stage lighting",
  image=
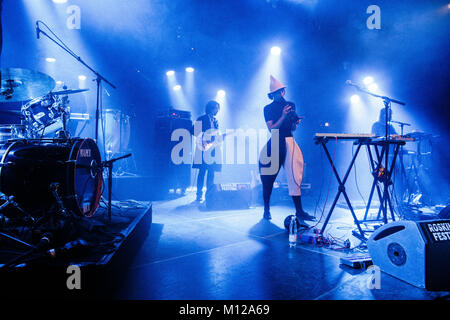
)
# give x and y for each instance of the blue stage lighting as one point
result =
(50, 59)
(59, 1)
(189, 69)
(221, 93)
(373, 87)
(275, 51)
(355, 98)
(170, 73)
(177, 87)
(368, 80)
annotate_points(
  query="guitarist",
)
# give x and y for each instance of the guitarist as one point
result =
(207, 123)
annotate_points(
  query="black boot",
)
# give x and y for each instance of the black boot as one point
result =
(266, 197)
(299, 212)
(267, 214)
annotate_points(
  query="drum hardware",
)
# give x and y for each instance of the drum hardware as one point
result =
(23, 84)
(109, 164)
(10, 201)
(98, 77)
(54, 189)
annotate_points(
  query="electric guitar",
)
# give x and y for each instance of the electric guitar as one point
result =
(205, 145)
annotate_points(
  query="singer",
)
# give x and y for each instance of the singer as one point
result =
(280, 116)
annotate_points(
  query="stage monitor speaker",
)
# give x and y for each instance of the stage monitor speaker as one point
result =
(445, 213)
(415, 252)
(229, 196)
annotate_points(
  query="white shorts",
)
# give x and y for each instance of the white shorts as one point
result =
(293, 166)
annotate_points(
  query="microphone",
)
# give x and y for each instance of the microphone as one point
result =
(38, 31)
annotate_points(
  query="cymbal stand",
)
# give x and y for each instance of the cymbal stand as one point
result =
(9, 200)
(109, 164)
(98, 77)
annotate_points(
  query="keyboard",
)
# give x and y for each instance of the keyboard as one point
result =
(349, 136)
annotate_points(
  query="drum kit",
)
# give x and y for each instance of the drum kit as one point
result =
(44, 182)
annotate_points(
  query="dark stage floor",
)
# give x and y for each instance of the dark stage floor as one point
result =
(191, 253)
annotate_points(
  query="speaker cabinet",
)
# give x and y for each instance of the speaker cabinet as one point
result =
(415, 252)
(229, 196)
(171, 175)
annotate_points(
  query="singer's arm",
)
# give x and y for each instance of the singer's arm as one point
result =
(271, 125)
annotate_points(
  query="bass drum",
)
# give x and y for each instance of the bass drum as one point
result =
(29, 167)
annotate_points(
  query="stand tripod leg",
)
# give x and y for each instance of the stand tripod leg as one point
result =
(109, 191)
(16, 240)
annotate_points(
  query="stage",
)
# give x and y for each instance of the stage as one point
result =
(178, 250)
(275, 109)
(193, 254)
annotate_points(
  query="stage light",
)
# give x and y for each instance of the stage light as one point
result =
(170, 73)
(276, 51)
(59, 82)
(221, 93)
(50, 60)
(373, 87)
(59, 1)
(355, 98)
(368, 80)
(189, 69)
(81, 77)
(177, 88)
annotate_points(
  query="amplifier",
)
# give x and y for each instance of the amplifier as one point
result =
(415, 252)
(175, 114)
(229, 196)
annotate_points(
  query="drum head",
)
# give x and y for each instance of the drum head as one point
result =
(87, 176)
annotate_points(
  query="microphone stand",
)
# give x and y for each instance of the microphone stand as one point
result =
(387, 104)
(109, 164)
(406, 188)
(401, 124)
(98, 77)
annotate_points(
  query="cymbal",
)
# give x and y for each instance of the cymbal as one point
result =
(24, 84)
(64, 92)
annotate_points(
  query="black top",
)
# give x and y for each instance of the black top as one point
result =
(199, 156)
(208, 122)
(273, 112)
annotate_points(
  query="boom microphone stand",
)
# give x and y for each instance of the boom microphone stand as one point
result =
(387, 104)
(98, 77)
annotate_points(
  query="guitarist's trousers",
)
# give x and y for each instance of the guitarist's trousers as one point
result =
(201, 180)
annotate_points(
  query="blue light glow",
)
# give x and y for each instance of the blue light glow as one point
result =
(275, 51)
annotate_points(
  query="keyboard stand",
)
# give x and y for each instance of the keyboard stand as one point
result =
(341, 189)
(386, 181)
